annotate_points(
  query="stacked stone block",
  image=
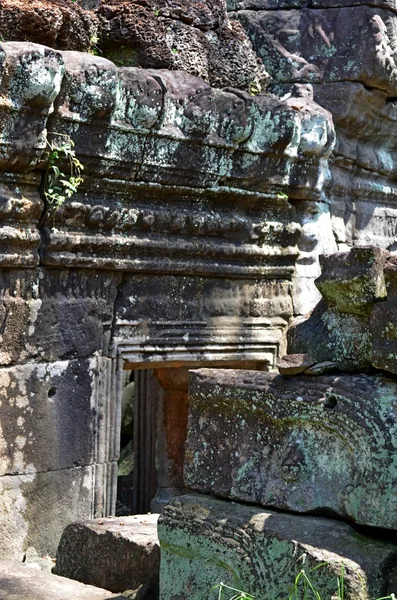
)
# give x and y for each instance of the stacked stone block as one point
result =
(304, 443)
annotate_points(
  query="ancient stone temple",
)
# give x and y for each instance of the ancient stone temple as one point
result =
(223, 147)
(176, 251)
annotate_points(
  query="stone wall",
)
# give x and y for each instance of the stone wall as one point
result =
(195, 235)
(178, 249)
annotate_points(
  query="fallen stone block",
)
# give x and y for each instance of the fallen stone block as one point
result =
(353, 281)
(329, 336)
(205, 541)
(21, 582)
(323, 444)
(123, 552)
(292, 364)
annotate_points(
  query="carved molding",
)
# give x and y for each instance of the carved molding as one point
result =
(179, 342)
(155, 228)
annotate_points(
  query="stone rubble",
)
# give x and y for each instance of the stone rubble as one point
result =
(124, 553)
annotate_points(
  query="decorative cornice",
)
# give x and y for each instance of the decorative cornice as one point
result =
(179, 177)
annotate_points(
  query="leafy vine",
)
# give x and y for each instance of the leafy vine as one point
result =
(59, 186)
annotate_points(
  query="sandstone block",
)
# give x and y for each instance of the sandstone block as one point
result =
(383, 323)
(292, 364)
(351, 282)
(48, 419)
(322, 444)
(20, 582)
(123, 552)
(34, 75)
(35, 508)
(205, 541)
(329, 336)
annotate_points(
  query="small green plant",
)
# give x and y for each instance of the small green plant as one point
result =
(94, 49)
(302, 589)
(236, 594)
(59, 186)
(254, 88)
(282, 196)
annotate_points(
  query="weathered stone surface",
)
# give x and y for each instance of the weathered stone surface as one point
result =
(194, 37)
(19, 582)
(21, 207)
(383, 323)
(316, 238)
(50, 315)
(353, 326)
(34, 75)
(351, 282)
(208, 320)
(353, 75)
(40, 430)
(197, 38)
(317, 45)
(57, 444)
(74, 314)
(292, 364)
(321, 368)
(36, 507)
(187, 133)
(124, 552)
(307, 444)
(205, 541)
(326, 335)
(341, 329)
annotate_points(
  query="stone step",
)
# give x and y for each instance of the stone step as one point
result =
(22, 582)
(118, 554)
(205, 541)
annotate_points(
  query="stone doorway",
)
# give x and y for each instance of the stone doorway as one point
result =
(150, 468)
(137, 473)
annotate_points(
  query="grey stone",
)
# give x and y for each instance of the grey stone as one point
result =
(205, 541)
(320, 45)
(382, 323)
(321, 368)
(306, 444)
(32, 559)
(40, 431)
(34, 78)
(124, 552)
(292, 364)
(36, 507)
(19, 582)
(351, 282)
(338, 330)
(329, 336)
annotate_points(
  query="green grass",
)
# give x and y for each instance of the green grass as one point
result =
(302, 588)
